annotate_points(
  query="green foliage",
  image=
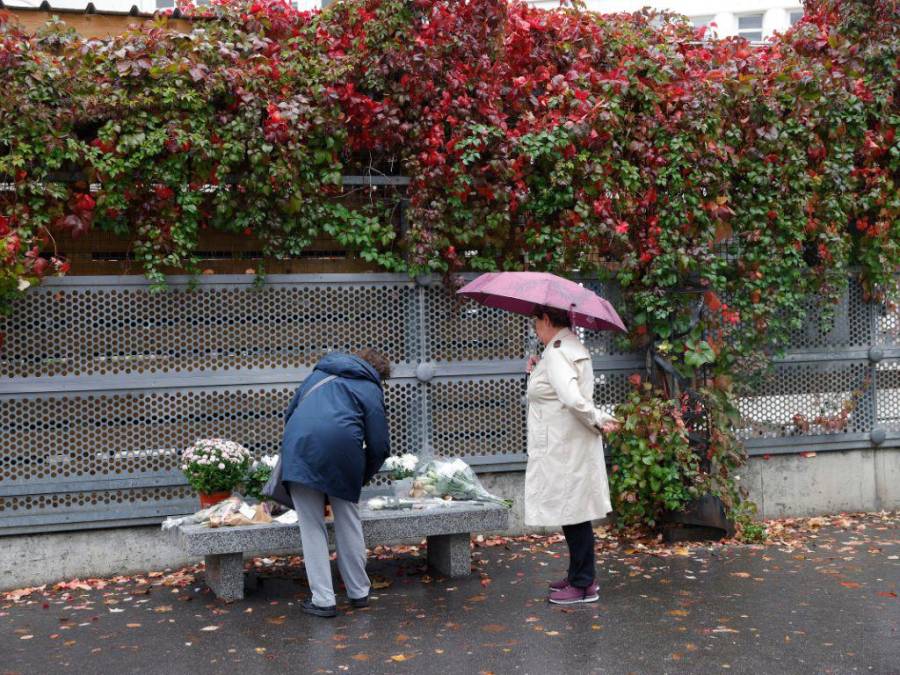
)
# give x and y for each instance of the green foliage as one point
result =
(654, 468)
(255, 480)
(750, 531)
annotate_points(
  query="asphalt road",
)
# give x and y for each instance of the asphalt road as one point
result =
(826, 604)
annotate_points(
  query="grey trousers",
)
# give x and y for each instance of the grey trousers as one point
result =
(348, 536)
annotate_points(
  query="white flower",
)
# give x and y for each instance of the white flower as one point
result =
(221, 466)
(270, 460)
(409, 462)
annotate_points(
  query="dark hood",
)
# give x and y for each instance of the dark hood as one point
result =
(347, 365)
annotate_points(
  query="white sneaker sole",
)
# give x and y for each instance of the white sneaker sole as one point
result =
(587, 598)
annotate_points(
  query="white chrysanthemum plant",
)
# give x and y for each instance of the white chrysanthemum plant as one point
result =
(215, 465)
(401, 466)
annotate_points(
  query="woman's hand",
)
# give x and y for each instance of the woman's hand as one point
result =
(611, 427)
(532, 362)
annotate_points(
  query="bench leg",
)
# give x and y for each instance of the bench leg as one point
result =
(449, 554)
(225, 575)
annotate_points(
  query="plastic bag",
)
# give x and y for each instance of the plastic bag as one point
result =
(387, 503)
(244, 514)
(229, 512)
(452, 478)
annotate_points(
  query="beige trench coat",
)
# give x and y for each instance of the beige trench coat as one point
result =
(565, 480)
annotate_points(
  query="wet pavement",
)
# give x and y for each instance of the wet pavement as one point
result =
(821, 599)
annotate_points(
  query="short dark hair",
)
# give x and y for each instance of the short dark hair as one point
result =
(559, 318)
(377, 360)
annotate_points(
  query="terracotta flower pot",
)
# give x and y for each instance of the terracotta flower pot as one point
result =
(212, 498)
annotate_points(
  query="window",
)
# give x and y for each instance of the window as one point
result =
(796, 15)
(705, 20)
(750, 27)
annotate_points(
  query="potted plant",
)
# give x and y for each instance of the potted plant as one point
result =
(654, 469)
(214, 467)
(402, 468)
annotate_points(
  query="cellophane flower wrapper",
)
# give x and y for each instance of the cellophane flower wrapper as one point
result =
(454, 478)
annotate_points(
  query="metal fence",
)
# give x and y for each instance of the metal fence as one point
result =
(104, 382)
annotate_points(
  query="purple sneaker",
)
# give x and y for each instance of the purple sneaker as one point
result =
(559, 585)
(571, 595)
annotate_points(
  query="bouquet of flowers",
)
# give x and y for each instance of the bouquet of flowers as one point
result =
(401, 466)
(258, 475)
(215, 465)
(452, 478)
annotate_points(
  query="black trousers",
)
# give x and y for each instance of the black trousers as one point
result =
(580, 539)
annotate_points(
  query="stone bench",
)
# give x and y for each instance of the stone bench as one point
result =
(447, 530)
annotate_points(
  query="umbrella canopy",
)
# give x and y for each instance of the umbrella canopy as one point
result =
(524, 292)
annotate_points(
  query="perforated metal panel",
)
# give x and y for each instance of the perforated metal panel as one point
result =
(131, 434)
(62, 508)
(482, 417)
(809, 399)
(888, 378)
(129, 329)
(887, 326)
(610, 389)
(851, 325)
(461, 330)
(103, 383)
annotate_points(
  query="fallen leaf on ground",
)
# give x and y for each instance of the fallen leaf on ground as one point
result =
(400, 657)
(209, 629)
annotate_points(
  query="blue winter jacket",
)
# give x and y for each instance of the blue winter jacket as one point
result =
(337, 439)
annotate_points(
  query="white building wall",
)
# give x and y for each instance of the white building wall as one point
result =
(775, 13)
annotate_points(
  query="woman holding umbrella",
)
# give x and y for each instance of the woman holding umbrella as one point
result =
(565, 479)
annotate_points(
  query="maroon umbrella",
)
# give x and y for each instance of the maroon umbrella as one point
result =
(523, 292)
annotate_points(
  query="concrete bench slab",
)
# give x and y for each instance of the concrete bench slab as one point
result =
(447, 530)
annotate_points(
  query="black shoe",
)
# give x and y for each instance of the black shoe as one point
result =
(359, 603)
(315, 610)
